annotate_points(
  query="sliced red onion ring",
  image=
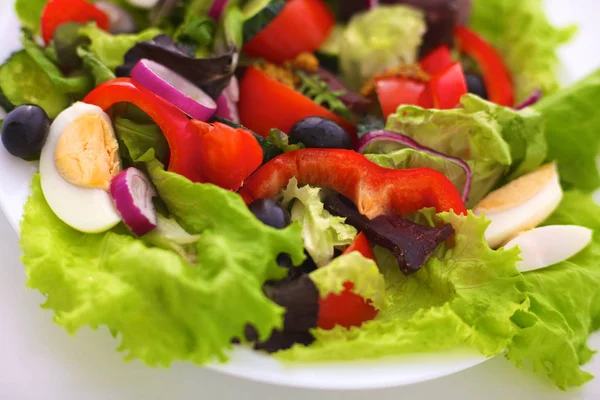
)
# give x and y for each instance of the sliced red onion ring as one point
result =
(531, 100)
(373, 3)
(217, 8)
(132, 193)
(373, 136)
(120, 20)
(227, 102)
(174, 88)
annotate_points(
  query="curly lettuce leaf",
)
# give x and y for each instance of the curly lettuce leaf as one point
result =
(465, 295)
(528, 42)
(111, 49)
(353, 267)
(493, 140)
(565, 304)
(161, 307)
(30, 13)
(321, 231)
(572, 126)
(381, 38)
(139, 138)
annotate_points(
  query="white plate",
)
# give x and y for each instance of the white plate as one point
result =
(14, 189)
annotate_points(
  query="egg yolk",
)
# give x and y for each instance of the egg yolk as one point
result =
(87, 152)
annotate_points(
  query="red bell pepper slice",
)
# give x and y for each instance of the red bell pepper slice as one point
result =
(266, 103)
(374, 189)
(496, 75)
(396, 91)
(58, 12)
(437, 60)
(347, 308)
(199, 151)
(448, 87)
(302, 26)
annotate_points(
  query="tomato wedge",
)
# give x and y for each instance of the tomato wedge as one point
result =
(496, 75)
(302, 26)
(266, 103)
(362, 245)
(448, 87)
(58, 12)
(346, 309)
(437, 60)
(396, 91)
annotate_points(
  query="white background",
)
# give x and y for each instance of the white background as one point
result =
(38, 360)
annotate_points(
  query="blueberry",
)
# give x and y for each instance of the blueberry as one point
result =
(25, 130)
(320, 133)
(270, 213)
(476, 85)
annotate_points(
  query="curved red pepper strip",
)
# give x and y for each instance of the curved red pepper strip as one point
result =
(58, 12)
(375, 190)
(496, 75)
(181, 134)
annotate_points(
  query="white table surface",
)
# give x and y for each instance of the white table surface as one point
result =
(26, 359)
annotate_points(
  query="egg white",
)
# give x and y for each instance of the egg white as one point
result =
(87, 210)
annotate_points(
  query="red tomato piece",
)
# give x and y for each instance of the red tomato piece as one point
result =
(266, 103)
(59, 12)
(302, 26)
(345, 309)
(448, 87)
(362, 245)
(437, 60)
(394, 92)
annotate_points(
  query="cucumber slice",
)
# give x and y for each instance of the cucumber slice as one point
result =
(258, 14)
(23, 82)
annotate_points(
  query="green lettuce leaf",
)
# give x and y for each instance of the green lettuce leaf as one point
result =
(111, 49)
(368, 282)
(528, 42)
(30, 13)
(321, 231)
(384, 37)
(139, 138)
(465, 295)
(572, 126)
(565, 303)
(492, 139)
(94, 66)
(161, 307)
(411, 158)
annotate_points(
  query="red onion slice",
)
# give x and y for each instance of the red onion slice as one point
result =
(374, 136)
(174, 88)
(373, 3)
(531, 100)
(132, 193)
(217, 8)
(227, 102)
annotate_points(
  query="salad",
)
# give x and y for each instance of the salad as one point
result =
(320, 180)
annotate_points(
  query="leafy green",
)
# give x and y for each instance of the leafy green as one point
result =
(382, 38)
(494, 140)
(572, 125)
(77, 85)
(520, 30)
(465, 295)
(111, 49)
(405, 158)
(282, 141)
(318, 90)
(565, 303)
(367, 281)
(139, 138)
(170, 235)
(94, 66)
(22, 81)
(161, 307)
(30, 13)
(321, 231)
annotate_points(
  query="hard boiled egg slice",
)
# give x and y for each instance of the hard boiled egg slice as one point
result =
(520, 205)
(549, 245)
(77, 163)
